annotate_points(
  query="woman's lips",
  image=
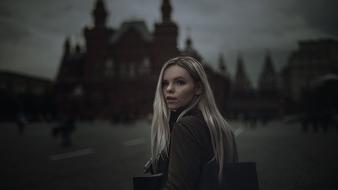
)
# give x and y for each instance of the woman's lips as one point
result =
(171, 99)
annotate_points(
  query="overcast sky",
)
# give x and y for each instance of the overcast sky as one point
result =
(32, 32)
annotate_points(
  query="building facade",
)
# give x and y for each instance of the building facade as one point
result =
(114, 76)
(313, 60)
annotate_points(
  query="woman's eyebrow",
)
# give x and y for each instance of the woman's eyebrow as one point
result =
(176, 78)
(179, 78)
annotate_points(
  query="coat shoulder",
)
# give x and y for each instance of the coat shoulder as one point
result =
(194, 123)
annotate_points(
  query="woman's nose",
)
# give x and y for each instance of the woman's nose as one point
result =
(170, 87)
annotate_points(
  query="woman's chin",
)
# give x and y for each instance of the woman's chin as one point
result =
(172, 108)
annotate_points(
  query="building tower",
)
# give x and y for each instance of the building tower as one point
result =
(189, 49)
(267, 82)
(221, 65)
(65, 58)
(164, 38)
(100, 14)
(242, 84)
(97, 43)
(166, 10)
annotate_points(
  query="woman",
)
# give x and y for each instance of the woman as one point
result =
(187, 129)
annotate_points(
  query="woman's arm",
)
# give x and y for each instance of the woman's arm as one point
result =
(186, 154)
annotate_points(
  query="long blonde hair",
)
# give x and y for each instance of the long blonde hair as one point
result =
(222, 138)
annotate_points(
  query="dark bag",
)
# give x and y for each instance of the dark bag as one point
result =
(151, 182)
(236, 176)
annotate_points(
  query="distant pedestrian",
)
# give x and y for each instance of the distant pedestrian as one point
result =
(21, 122)
(65, 129)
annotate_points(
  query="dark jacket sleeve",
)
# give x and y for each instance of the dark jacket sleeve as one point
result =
(189, 141)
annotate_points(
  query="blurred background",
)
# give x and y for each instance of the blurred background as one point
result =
(77, 82)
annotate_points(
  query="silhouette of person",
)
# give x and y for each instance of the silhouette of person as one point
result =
(65, 129)
(21, 122)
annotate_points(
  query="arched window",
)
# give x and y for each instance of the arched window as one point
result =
(132, 70)
(145, 66)
(124, 70)
(109, 69)
(77, 91)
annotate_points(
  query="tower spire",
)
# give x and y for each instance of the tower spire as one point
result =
(100, 14)
(66, 45)
(166, 11)
(188, 41)
(268, 67)
(242, 82)
(267, 81)
(221, 64)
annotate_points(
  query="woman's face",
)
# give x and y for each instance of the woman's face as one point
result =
(178, 87)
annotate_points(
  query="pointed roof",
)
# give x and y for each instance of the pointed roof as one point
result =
(221, 64)
(241, 81)
(190, 50)
(268, 78)
(166, 10)
(100, 13)
(268, 70)
(139, 25)
(240, 71)
(67, 45)
(268, 65)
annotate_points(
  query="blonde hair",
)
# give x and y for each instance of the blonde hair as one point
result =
(222, 138)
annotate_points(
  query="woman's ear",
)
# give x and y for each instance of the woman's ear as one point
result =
(198, 89)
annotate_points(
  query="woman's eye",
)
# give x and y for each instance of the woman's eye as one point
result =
(180, 82)
(164, 83)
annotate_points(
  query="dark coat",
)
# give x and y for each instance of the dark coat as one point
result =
(190, 149)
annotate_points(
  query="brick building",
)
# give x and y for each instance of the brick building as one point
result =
(313, 60)
(115, 74)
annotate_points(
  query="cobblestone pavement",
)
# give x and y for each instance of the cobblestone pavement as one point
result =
(289, 159)
(103, 156)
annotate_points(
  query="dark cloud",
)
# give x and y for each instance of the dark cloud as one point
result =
(12, 32)
(321, 15)
(36, 29)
